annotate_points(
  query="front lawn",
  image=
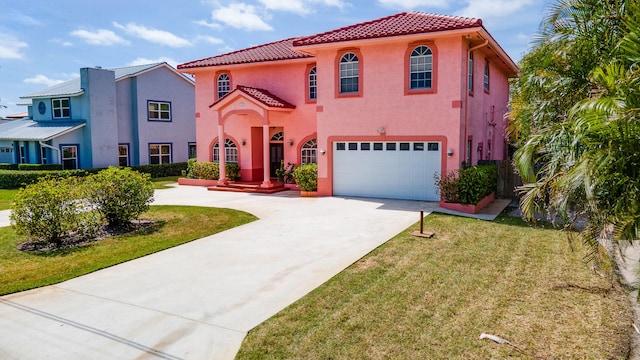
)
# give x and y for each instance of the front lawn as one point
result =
(175, 225)
(416, 298)
(6, 198)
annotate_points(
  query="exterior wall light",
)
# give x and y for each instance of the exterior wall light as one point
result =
(449, 152)
(381, 130)
(322, 151)
(290, 142)
(243, 142)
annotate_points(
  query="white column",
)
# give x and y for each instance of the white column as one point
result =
(221, 157)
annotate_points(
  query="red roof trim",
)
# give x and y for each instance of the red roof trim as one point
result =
(405, 23)
(260, 95)
(274, 51)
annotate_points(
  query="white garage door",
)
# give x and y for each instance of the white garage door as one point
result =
(393, 170)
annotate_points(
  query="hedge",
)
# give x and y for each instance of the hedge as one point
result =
(32, 167)
(8, 166)
(468, 186)
(14, 179)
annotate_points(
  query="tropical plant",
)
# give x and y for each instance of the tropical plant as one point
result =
(285, 173)
(590, 161)
(469, 185)
(306, 176)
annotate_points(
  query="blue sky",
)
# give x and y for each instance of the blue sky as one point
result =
(45, 42)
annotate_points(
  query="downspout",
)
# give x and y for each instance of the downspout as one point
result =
(42, 143)
(466, 103)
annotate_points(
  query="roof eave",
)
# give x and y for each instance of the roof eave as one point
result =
(77, 93)
(194, 70)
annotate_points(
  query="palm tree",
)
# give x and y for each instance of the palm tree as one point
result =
(592, 159)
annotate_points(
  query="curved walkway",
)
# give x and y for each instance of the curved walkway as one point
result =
(199, 300)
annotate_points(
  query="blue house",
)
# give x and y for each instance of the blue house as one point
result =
(126, 116)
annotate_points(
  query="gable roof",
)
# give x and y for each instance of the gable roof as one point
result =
(260, 95)
(278, 50)
(405, 23)
(29, 130)
(72, 87)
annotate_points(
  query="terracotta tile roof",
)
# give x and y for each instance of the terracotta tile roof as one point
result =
(404, 23)
(263, 96)
(279, 50)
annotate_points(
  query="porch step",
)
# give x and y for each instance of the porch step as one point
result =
(249, 187)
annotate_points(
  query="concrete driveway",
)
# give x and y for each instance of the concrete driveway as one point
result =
(199, 300)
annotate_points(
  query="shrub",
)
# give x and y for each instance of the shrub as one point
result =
(469, 185)
(306, 176)
(14, 179)
(211, 170)
(28, 167)
(8, 166)
(285, 173)
(120, 194)
(161, 170)
(52, 209)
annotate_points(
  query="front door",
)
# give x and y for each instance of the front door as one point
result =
(276, 155)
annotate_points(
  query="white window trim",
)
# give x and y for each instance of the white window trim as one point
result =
(160, 155)
(159, 110)
(60, 108)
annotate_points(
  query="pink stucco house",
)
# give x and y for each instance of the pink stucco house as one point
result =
(381, 106)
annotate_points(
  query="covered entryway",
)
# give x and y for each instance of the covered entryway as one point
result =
(394, 170)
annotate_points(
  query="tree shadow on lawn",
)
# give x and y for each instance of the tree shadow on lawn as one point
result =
(71, 243)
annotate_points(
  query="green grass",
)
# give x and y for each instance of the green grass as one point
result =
(416, 298)
(6, 198)
(176, 225)
(164, 182)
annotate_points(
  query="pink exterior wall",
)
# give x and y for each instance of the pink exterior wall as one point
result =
(287, 80)
(439, 115)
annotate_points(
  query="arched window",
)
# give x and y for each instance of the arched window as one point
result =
(230, 151)
(313, 84)
(421, 68)
(224, 85)
(309, 152)
(349, 75)
(279, 136)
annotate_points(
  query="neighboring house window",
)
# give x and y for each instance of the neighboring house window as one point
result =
(123, 155)
(421, 68)
(159, 153)
(349, 73)
(486, 75)
(470, 81)
(43, 155)
(61, 108)
(192, 151)
(313, 84)
(159, 111)
(230, 151)
(224, 85)
(309, 153)
(23, 154)
(69, 157)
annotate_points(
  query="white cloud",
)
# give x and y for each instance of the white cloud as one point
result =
(240, 16)
(145, 61)
(211, 25)
(209, 39)
(100, 37)
(10, 47)
(294, 6)
(42, 80)
(153, 35)
(486, 9)
(412, 4)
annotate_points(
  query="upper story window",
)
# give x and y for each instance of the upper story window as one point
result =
(313, 84)
(230, 151)
(61, 108)
(159, 111)
(223, 85)
(486, 75)
(309, 152)
(421, 68)
(349, 73)
(470, 75)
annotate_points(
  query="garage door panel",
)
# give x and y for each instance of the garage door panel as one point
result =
(401, 170)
